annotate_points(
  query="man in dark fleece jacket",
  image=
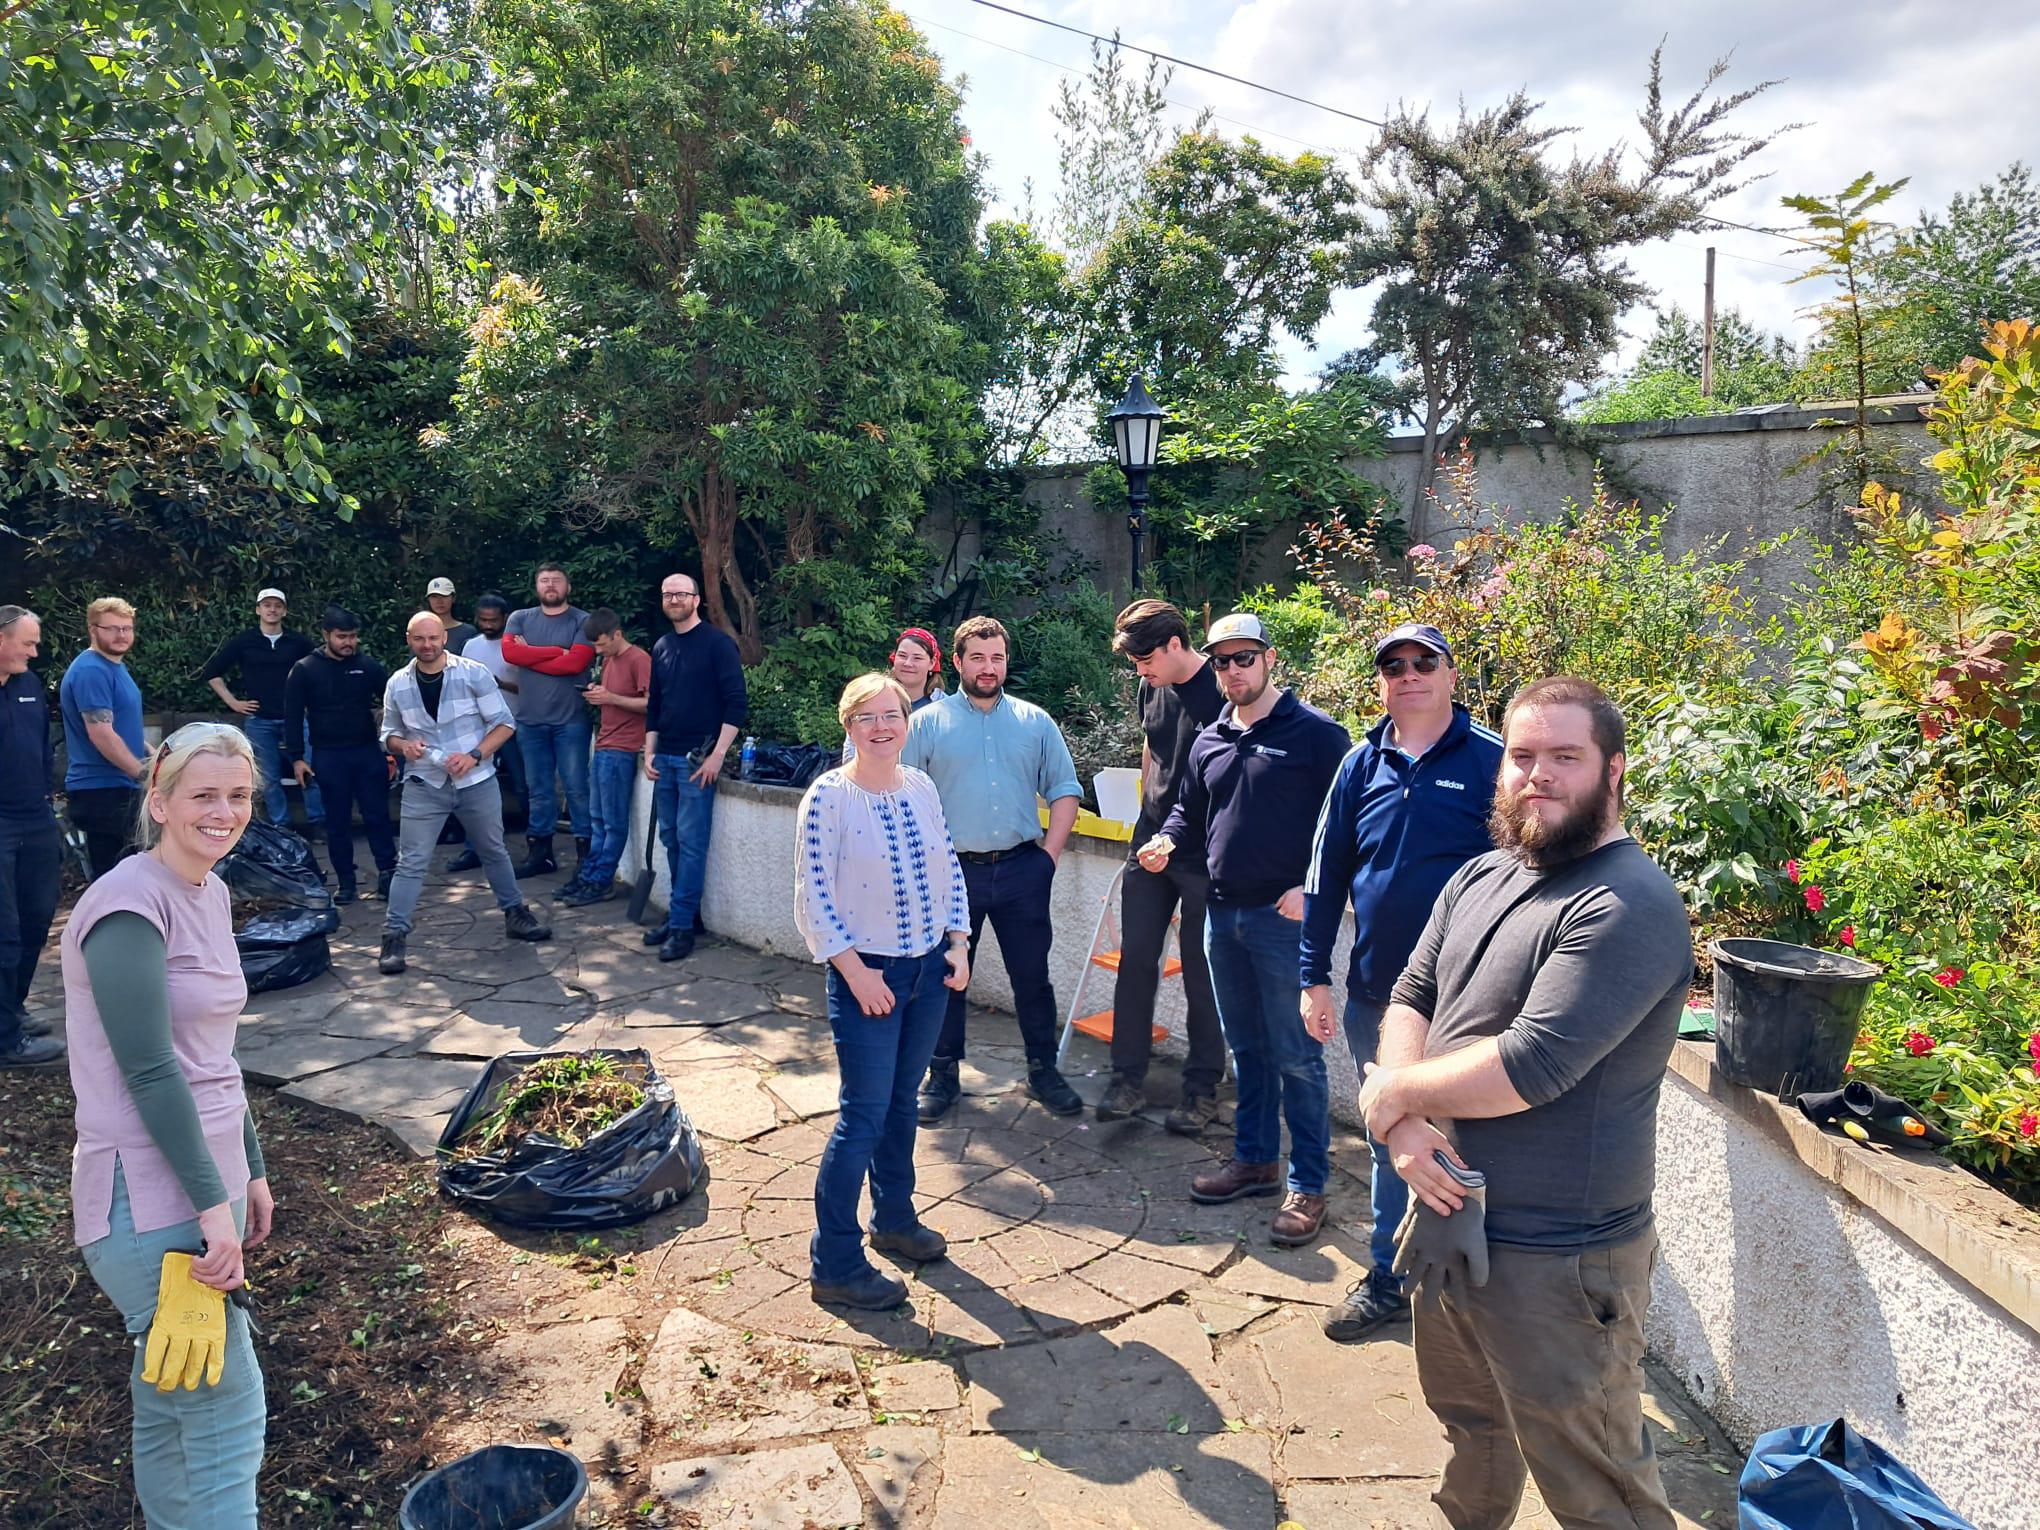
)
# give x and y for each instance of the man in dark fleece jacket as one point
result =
(1256, 780)
(1527, 1040)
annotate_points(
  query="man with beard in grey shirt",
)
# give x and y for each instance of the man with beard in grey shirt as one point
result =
(1527, 1040)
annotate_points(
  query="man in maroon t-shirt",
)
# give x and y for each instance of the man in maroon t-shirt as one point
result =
(618, 689)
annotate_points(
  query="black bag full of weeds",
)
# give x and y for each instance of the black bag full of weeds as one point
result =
(282, 948)
(640, 1163)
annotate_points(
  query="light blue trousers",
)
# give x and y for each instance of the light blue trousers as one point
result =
(197, 1453)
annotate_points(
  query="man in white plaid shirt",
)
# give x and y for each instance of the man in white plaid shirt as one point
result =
(445, 717)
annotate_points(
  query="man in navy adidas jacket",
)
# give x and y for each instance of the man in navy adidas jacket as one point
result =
(1409, 808)
(1255, 782)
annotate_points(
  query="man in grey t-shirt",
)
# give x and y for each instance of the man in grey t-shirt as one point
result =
(554, 730)
(1527, 1040)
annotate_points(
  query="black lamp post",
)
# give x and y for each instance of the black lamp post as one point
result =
(1136, 433)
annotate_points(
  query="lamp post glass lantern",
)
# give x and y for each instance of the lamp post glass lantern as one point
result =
(1136, 434)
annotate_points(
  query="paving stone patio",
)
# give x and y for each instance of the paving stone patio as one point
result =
(1098, 1350)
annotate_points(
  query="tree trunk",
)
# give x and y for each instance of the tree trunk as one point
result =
(712, 516)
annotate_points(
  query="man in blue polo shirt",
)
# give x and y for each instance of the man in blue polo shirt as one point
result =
(1256, 781)
(103, 744)
(990, 755)
(30, 847)
(1409, 808)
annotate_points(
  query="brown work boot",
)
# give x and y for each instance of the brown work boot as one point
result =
(1236, 1179)
(1299, 1219)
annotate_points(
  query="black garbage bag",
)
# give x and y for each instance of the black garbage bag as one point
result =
(283, 947)
(274, 866)
(1829, 1477)
(791, 764)
(641, 1164)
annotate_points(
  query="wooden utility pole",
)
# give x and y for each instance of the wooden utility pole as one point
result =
(1707, 325)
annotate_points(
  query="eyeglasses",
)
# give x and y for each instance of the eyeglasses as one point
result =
(876, 719)
(111, 631)
(679, 595)
(1425, 663)
(1245, 659)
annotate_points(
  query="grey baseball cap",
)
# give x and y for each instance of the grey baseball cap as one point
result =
(1423, 634)
(1241, 624)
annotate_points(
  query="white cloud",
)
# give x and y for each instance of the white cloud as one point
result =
(1923, 90)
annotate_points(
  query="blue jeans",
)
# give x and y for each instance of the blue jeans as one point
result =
(881, 1059)
(1013, 893)
(612, 780)
(197, 1453)
(266, 734)
(686, 814)
(357, 774)
(551, 749)
(1279, 1065)
(1391, 1195)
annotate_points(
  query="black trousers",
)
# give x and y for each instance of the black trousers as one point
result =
(1013, 894)
(356, 773)
(1147, 901)
(105, 815)
(30, 849)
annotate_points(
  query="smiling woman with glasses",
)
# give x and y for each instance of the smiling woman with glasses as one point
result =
(879, 896)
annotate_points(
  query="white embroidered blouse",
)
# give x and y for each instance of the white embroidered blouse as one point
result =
(875, 871)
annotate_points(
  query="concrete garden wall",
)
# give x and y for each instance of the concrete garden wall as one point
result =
(1802, 1277)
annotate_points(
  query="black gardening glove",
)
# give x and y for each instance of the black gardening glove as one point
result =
(1881, 1117)
(1437, 1254)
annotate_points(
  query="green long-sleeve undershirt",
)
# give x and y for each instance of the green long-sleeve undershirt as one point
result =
(129, 969)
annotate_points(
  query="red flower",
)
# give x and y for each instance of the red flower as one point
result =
(1792, 870)
(1816, 900)
(2029, 1125)
(1848, 935)
(1948, 977)
(2033, 1046)
(1919, 1043)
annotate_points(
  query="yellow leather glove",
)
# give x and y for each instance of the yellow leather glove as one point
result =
(189, 1337)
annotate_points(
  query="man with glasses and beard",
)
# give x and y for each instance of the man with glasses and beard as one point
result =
(1250, 799)
(1409, 808)
(1526, 1041)
(103, 747)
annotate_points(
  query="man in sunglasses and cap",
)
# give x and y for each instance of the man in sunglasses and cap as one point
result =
(1255, 782)
(1409, 807)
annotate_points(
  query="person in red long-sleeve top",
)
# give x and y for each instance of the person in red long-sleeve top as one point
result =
(553, 729)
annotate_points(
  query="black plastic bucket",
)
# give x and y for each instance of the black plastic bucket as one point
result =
(1785, 1016)
(499, 1487)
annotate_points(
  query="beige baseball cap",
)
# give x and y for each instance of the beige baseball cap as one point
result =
(271, 593)
(440, 586)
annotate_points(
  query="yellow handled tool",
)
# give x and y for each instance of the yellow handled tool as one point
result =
(189, 1337)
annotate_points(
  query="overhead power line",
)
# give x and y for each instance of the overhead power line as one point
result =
(1181, 63)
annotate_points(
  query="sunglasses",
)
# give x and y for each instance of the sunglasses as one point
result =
(1245, 659)
(1424, 663)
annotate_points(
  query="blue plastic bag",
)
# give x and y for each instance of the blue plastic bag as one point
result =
(1829, 1477)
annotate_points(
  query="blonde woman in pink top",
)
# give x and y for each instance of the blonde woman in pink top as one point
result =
(167, 1158)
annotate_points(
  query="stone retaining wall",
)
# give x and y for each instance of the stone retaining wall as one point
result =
(1802, 1277)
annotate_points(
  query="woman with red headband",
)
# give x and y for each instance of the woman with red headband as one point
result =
(917, 665)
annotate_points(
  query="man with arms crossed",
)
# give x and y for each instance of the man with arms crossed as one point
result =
(1409, 807)
(1527, 1040)
(103, 745)
(989, 755)
(262, 657)
(553, 730)
(444, 717)
(693, 709)
(1179, 698)
(1256, 780)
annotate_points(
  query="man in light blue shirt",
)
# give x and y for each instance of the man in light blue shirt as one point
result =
(991, 755)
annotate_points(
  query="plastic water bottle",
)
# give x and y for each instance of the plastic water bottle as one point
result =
(747, 762)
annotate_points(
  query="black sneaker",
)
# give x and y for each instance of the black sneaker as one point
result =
(32, 1052)
(392, 960)
(383, 880)
(1122, 1101)
(942, 1088)
(655, 936)
(584, 893)
(538, 859)
(1373, 1302)
(344, 894)
(676, 948)
(1049, 1087)
(520, 923)
(872, 1292)
(467, 860)
(923, 1245)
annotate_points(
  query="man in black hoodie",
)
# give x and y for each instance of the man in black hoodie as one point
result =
(1256, 782)
(334, 693)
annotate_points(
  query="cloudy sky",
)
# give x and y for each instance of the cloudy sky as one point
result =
(1927, 90)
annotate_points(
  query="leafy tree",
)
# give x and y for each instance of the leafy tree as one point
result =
(1501, 271)
(745, 254)
(189, 186)
(1750, 368)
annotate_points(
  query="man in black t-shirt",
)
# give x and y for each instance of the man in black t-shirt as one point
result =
(262, 656)
(1179, 697)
